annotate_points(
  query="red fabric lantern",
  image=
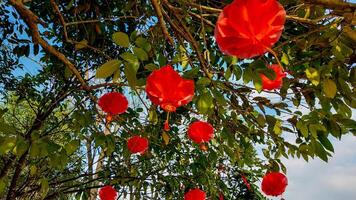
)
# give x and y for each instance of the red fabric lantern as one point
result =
(268, 84)
(107, 193)
(195, 194)
(166, 88)
(274, 183)
(221, 196)
(166, 126)
(200, 132)
(137, 144)
(248, 28)
(113, 103)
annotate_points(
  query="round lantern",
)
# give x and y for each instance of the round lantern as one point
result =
(107, 193)
(248, 28)
(274, 183)
(268, 84)
(137, 144)
(113, 103)
(166, 88)
(200, 132)
(195, 194)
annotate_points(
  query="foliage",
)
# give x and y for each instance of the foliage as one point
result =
(56, 144)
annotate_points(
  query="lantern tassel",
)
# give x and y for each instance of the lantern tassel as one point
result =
(275, 56)
(166, 123)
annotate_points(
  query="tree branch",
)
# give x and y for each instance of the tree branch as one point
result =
(161, 21)
(337, 5)
(32, 20)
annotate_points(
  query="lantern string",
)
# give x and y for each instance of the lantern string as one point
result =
(166, 126)
(275, 56)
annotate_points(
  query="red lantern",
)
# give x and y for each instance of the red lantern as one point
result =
(274, 183)
(200, 132)
(221, 196)
(248, 28)
(195, 194)
(137, 144)
(166, 88)
(113, 103)
(268, 84)
(107, 193)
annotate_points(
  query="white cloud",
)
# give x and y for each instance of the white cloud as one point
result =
(327, 181)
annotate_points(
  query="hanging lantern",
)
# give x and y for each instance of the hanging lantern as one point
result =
(200, 132)
(166, 88)
(113, 103)
(107, 193)
(221, 196)
(249, 28)
(137, 144)
(268, 84)
(274, 183)
(195, 194)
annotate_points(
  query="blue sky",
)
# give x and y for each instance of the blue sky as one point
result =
(335, 180)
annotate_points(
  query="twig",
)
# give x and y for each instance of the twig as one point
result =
(31, 20)
(99, 20)
(188, 36)
(337, 5)
(161, 21)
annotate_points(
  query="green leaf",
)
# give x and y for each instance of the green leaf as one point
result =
(165, 137)
(320, 151)
(2, 186)
(130, 74)
(21, 146)
(107, 69)
(132, 59)
(277, 127)
(44, 187)
(72, 146)
(183, 57)
(325, 142)
(329, 88)
(228, 73)
(121, 39)
(7, 145)
(203, 81)
(257, 82)
(116, 76)
(205, 103)
(33, 170)
(269, 73)
(247, 75)
(58, 160)
(191, 73)
(140, 53)
(303, 128)
(143, 43)
(285, 59)
(152, 116)
(151, 67)
(6, 128)
(81, 45)
(314, 128)
(39, 148)
(237, 72)
(313, 75)
(261, 120)
(2, 112)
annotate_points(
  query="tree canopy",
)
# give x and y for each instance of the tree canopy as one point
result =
(56, 142)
